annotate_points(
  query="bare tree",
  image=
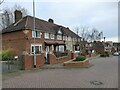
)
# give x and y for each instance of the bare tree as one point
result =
(22, 9)
(6, 18)
(95, 35)
(88, 34)
(8, 14)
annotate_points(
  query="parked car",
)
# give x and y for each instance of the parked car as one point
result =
(116, 54)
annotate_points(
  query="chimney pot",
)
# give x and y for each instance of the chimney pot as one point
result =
(50, 20)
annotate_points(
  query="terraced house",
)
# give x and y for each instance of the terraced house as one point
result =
(47, 38)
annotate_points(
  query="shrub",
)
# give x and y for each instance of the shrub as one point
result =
(80, 58)
(105, 54)
(6, 54)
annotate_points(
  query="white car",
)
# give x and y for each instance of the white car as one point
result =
(116, 54)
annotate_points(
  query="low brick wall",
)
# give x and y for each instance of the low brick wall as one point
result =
(91, 55)
(29, 61)
(72, 63)
(53, 59)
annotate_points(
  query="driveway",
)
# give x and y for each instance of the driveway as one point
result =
(103, 74)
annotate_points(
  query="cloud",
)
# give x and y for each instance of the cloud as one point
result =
(101, 14)
(114, 39)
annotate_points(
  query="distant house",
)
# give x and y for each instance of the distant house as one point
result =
(98, 47)
(101, 47)
(49, 37)
(116, 46)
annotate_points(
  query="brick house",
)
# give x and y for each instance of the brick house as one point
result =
(49, 37)
(101, 47)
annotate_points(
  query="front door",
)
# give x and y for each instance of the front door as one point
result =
(46, 54)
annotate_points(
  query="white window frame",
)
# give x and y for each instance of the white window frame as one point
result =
(46, 35)
(64, 38)
(34, 34)
(69, 38)
(61, 48)
(40, 47)
(59, 37)
(53, 36)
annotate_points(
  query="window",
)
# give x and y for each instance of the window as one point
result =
(52, 36)
(57, 48)
(76, 39)
(69, 38)
(47, 35)
(37, 48)
(36, 34)
(59, 37)
(65, 38)
(61, 48)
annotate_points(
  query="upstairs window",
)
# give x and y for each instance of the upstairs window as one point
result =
(36, 34)
(52, 36)
(47, 35)
(64, 37)
(59, 37)
(69, 38)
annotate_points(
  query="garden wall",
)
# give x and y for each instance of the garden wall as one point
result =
(29, 61)
(53, 59)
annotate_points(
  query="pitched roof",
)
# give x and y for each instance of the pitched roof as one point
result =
(42, 25)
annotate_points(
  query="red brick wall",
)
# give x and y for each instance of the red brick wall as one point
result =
(29, 61)
(52, 58)
(40, 60)
(15, 41)
(19, 41)
(30, 41)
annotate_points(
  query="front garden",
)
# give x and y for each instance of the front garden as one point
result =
(9, 61)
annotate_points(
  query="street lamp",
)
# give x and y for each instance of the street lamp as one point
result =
(104, 39)
(34, 32)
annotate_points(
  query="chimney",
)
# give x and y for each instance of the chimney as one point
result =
(18, 15)
(50, 20)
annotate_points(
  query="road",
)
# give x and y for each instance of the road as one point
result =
(103, 74)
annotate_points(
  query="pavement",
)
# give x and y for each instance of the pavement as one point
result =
(103, 74)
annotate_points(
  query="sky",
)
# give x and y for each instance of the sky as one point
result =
(99, 14)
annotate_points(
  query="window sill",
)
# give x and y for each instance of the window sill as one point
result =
(36, 37)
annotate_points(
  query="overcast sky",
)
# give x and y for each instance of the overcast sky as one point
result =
(72, 13)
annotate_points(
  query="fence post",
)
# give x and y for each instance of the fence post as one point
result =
(8, 64)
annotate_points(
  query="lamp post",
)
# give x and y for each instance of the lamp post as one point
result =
(104, 39)
(34, 32)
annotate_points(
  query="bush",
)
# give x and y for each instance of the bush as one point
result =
(80, 58)
(105, 54)
(6, 54)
